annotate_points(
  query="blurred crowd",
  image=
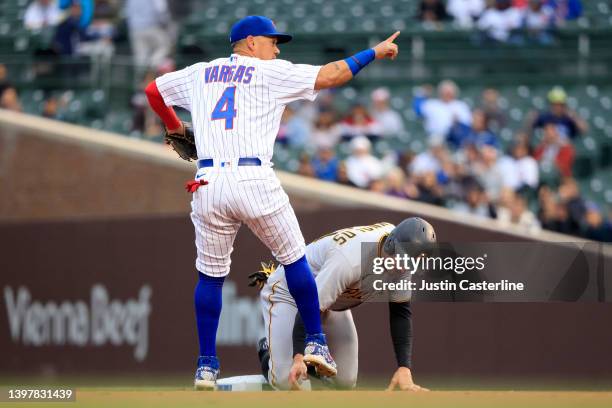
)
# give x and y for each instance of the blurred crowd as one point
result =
(90, 28)
(464, 166)
(504, 21)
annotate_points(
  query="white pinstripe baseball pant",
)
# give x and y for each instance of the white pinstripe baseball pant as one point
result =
(242, 194)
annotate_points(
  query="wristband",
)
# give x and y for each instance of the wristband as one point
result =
(360, 60)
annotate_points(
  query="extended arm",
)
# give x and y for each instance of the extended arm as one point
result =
(299, 335)
(400, 321)
(338, 73)
(298, 370)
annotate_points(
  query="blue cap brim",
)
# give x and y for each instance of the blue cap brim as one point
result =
(281, 38)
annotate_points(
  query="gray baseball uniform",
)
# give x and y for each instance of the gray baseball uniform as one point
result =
(336, 262)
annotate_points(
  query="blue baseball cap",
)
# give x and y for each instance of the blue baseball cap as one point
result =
(256, 25)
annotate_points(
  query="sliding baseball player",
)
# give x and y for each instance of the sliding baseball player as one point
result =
(336, 263)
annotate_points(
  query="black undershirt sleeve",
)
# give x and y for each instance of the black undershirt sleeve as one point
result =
(299, 335)
(400, 321)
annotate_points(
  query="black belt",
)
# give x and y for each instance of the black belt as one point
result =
(243, 161)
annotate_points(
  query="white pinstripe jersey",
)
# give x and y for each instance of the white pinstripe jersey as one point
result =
(236, 103)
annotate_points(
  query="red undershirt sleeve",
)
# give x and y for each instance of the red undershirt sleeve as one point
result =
(166, 113)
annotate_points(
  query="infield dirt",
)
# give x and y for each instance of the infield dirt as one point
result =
(354, 399)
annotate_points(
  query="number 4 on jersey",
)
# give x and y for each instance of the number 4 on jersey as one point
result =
(224, 109)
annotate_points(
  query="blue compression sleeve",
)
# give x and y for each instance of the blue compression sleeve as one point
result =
(360, 60)
(208, 301)
(303, 288)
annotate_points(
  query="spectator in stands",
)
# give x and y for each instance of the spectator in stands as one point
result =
(327, 131)
(390, 121)
(428, 189)
(360, 123)
(305, 167)
(475, 200)
(491, 106)
(596, 227)
(420, 95)
(361, 167)
(343, 177)
(397, 186)
(404, 160)
(568, 123)
(573, 205)
(87, 10)
(68, 31)
(293, 130)
(431, 159)
(565, 10)
(440, 114)
(477, 134)
(503, 204)
(432, 12)
(4, 83)
(499, 21)
(513, 210)
(9, 99)
(467, 155)
(148, 23)
(553, 214)
(488, 172)
(144, 120)
(521, 215)
(547, 209)
(465, 12)
(555, 151)
(51, 108)
(520, 169)
(325, 164)
(41, 14)
(96, 40)
(378, 186)
(538, 22)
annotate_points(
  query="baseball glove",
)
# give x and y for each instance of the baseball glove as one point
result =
(184, 145)
(260, 278)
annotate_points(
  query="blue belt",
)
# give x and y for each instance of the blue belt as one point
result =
(243, 161)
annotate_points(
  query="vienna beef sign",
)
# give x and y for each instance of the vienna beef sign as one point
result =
(98, 321)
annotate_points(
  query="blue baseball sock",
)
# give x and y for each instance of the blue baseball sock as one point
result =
(303, 288)
(208, 301)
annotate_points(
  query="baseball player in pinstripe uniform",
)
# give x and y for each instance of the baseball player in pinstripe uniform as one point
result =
(336, 261)
(236, 104)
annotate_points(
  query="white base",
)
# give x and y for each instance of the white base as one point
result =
(249, 383)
